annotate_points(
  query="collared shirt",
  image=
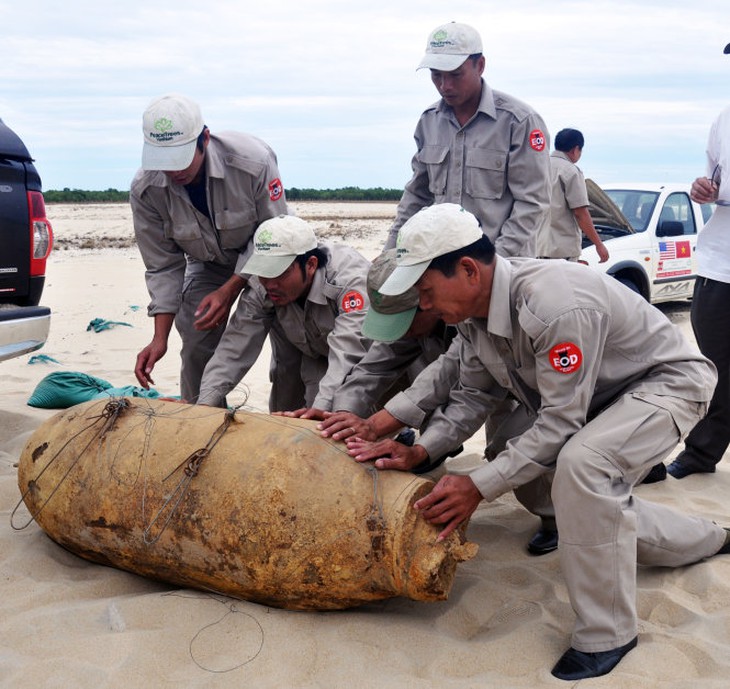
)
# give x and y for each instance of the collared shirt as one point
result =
(497, 166)
(565, 341)
(326, 329)
(562, 237)
(713, 243)
(243, 189)
(384, 364)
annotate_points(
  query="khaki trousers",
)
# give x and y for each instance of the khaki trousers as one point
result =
(605, 530)
(197, 346)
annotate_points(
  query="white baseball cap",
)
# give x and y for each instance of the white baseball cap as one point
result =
(389, 316)
(433, 231)
(449, 45)
(171, 126)
(277, 242)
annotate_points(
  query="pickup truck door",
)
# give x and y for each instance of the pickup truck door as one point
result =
(674, 265)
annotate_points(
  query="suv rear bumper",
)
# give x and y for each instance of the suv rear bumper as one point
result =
(23, 329)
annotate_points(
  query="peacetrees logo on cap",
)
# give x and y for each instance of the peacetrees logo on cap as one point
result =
(440, 39)
(163, 124)
(163, 133)
(264, 241)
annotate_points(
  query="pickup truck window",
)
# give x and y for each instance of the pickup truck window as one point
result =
(637, 206)
(677, 207)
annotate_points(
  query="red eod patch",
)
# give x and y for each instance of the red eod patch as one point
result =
(353, 301)
(537, 140)
(276, 189)
(566, 357)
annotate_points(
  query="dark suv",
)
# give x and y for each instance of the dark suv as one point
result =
(26, 238)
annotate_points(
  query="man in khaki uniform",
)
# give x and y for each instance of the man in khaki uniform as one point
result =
(612, 385)
(196, 203)
(310, 298)
(569, 214)
(405, 341)
(478, 147)
(488, 152)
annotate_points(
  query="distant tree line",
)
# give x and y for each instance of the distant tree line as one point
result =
(67, 195)
(82, 196)
(344, 194)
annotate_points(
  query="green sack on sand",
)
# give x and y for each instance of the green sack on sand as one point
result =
(63, 389)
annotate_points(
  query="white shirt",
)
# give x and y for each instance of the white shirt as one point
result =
(713, 242)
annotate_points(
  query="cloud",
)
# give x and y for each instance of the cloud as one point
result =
(333, 87)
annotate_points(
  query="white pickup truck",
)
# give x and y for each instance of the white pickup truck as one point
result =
(650, 231)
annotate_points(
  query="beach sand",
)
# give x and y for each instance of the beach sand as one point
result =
(65, 622)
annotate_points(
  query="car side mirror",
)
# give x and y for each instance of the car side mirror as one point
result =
(670, 228)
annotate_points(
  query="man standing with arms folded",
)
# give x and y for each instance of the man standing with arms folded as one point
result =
(477, 147)
(196, 203)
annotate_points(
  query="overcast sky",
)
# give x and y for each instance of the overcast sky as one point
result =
(332, 86)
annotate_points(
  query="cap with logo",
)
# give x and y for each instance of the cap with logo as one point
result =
(171, 126)
(389, 316)
(449, 45)
(276, 243)
(433, 231)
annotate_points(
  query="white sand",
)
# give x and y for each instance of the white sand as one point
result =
(68, 623)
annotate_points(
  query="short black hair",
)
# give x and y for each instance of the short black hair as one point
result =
(318, 253)
(481, 250)
(567, 139)
(200, 143)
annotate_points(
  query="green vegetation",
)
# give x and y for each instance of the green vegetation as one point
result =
(294, 194)
(344, 194)
(80, 196)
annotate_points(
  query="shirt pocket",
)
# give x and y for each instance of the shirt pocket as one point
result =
(486, 173)
(434, 158)
(236, 227)
(189, 237)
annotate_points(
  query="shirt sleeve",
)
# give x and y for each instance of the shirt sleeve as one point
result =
(347, 345)
(574, 189)
(164, 260)
(239, 347)
(567, 358)
(465, 406)
(380, 368)
(528, 178)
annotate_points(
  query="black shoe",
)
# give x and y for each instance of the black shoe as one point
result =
(543, 542)
(575, 665)
(657, 473)
(680, 468)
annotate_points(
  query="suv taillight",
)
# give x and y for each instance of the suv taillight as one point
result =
(41, 233)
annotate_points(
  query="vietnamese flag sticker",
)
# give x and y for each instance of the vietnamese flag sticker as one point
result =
(565, 357)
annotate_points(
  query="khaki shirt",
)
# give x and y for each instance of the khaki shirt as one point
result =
(326, 330)
(565, 341)
(496, 166)
(244, 189)
(431, 388)
(383, 366)
(562, 238)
